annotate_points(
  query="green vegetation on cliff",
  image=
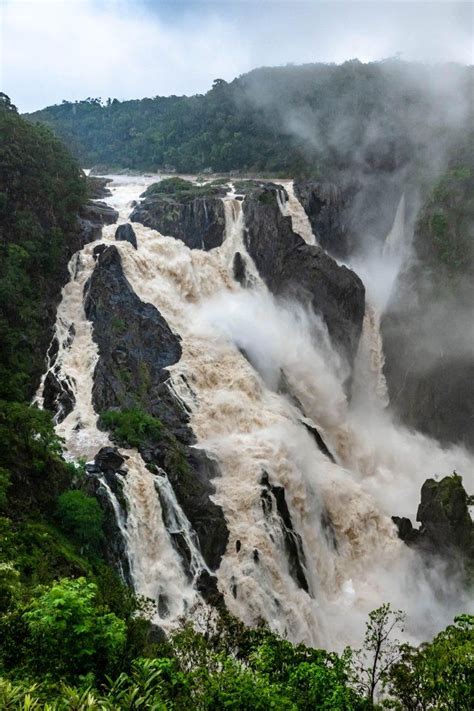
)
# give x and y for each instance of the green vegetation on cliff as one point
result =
(41, 191)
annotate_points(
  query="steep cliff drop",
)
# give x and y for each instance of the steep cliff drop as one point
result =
(307, 480)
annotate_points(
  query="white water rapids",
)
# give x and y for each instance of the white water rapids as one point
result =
(251, 423)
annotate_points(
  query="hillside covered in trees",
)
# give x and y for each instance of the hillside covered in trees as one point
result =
(317, 119)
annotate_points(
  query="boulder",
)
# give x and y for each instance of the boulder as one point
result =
(99, 213)
(125, 233)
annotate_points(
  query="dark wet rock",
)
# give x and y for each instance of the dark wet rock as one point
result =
(135, 347)
(319, 441)
(104, 475)
(324, 204)
(271, 494)
(98, 250)
(446, 525)
(135, 342)
(199, 224)
(58, 397)
(194, 215)
(291, 268)
(99, 213)
(206, 585)
(97, 187)
(239, 269)
(405, 529)
(108, 459)
(256, 555)
(125, 233)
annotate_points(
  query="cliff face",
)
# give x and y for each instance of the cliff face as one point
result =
(324, 204)
(427, 329)
(292, 268)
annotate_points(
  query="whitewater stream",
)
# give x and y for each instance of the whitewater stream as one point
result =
(251, 424)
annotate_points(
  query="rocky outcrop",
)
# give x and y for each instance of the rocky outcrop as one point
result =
(446, 525)
(325, 204)
(135, 342)
(135, 347)
(97, 187)
(292, 268)
(125, 233)
(192, 215)
(105, 475)
(99, 213)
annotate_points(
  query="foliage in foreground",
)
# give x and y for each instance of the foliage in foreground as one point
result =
(74, 643)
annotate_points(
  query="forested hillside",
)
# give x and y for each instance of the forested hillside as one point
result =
(313, 119)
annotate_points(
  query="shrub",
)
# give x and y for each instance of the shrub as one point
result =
(65, 624)
(131, 427)
(81, 516)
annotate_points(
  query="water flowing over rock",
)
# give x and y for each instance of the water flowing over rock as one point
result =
(136, 346)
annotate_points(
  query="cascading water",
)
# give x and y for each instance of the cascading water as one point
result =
(294, 209)
(259, 377)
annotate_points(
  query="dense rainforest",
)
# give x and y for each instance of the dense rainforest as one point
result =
(72, 634)
(315, 119)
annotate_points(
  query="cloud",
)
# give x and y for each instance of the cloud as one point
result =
(71, 49)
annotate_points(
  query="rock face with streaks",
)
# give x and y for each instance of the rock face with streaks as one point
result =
(292, 268)
(325, 203)
(182, 210)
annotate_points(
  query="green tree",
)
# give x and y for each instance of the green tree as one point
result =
(81, 516)
(69, 634)
(373, 662)
(439, 674)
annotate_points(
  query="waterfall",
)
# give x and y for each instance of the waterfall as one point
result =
(254, 373)
(395, 241)
(156, 567)
(294, 209)
(370, 387)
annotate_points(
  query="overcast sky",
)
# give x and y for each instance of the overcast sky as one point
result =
(52, 50)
